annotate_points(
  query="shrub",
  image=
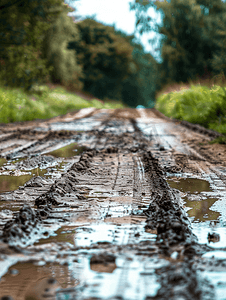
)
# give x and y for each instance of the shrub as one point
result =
(198, 104)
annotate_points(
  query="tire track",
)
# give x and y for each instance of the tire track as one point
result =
(125, 217)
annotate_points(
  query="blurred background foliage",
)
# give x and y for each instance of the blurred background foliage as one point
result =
(193, 37)
(22, 29)
(63, 62)
(41, 44)
(105, 56)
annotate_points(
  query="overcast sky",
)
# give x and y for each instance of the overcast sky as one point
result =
(113, 12)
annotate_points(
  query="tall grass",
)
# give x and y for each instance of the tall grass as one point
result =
(43, 103)
(200, 104)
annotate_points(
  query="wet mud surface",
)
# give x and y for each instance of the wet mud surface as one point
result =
(111, 204)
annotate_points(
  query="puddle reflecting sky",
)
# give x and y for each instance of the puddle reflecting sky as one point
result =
(85, 236)
(115, 234)
(202, 229)
(128, 281)
(218, 279)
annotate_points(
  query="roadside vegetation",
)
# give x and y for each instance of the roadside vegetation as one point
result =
(198, 104)
(41, 44)
(43, 103)
(191, 45)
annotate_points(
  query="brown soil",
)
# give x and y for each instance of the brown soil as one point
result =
(118, 215)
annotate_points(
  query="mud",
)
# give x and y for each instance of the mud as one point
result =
(118, 204)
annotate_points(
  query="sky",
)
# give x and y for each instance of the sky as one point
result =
(115, 12)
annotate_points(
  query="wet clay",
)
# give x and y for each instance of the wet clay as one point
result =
(121, 219)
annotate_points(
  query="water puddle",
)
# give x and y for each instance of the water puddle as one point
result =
(190, 185)
(11, 182)
(200, 204)
(2, 161)
(111, 234)
(63, 235)
(31, 281)
(11, 178)
(218, 280)
(196, 195)
(67, 151)
(127, 281)
(200, 210)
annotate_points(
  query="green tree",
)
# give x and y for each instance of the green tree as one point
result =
(106, 58)
(193, 37)
(22, 28)
(65, 69)
(139, 88)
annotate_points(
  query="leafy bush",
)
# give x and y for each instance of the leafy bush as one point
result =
(198, 104)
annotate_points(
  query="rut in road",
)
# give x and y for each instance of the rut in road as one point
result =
(129, 236)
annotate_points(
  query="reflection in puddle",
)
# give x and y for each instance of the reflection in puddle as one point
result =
(63, 235)
(200, 210)
(103, 233)
(10, 183)
(67, 151)
(29, 281)
(127, 281)
(108, 233)
(190, 185)
(221, 255)
(2, 161)
(218, 280)
(202, 231)
(205, 217)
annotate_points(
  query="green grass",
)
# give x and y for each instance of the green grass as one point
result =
(43, 103)
(219, 140)
(198, 104)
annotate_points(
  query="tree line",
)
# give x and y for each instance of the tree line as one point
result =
(40, 43)
(193, 37)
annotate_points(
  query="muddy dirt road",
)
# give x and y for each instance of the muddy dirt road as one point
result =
(111, 204)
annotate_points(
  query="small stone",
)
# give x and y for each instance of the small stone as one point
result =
(213, 237)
